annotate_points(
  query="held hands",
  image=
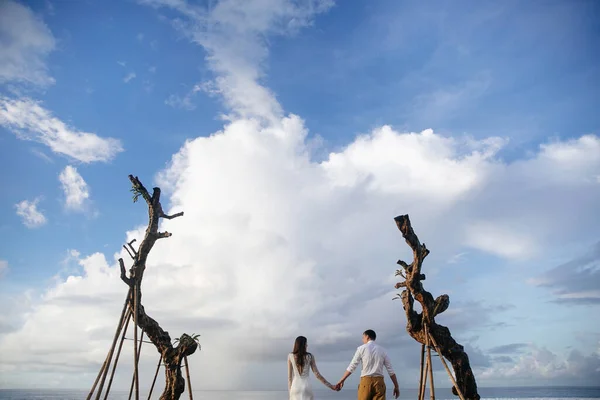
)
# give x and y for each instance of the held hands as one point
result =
(338, 386)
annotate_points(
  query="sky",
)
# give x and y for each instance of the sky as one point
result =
(291, 133)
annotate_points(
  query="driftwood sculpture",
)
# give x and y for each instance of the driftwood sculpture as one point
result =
(172, 357)
(422, 326)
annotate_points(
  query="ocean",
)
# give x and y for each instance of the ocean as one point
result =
(540, 393)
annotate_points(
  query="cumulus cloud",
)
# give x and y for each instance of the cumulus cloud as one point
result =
(497, 238)
(277, 245)
(29, 213)
(30, 121)
(26, 42)
(274, 244)
(75, 188)
(541, 364)
(15, 307)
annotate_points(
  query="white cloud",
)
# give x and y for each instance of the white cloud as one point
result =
(129, 77)
(496, 238)
(425, 164)
(576, 281)
(278, 245)
(457, 258)
(184, 103)
(42, 155)
(75, 188)
(30, 121)
(274, 244)
(26, 41)
(542, 364)
(28, 211)
(575, 155)
(234, 38)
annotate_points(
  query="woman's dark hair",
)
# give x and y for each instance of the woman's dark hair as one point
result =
(300, 352)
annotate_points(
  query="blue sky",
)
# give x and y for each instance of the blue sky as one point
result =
(291, 133)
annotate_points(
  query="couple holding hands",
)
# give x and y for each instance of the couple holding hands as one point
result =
(372, 356)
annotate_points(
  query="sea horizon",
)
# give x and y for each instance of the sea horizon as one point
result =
(442, 393)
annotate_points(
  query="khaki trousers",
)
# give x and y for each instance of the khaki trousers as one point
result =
(371, 388)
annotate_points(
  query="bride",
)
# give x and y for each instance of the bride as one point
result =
(299, 361)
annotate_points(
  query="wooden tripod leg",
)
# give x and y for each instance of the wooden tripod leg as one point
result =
(136, 293)
(155, 375)
(430, 368)
(135, 371)
(424, 383)
(421, 371)
(437, 349)
(89, 396)
(187, 373)
(112, 374)
(104, 369)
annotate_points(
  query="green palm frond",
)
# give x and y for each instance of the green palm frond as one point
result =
(136, 194)
(195, 338)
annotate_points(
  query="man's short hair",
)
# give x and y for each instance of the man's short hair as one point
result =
(371, 334)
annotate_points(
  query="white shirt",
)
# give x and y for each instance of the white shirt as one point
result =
(373, 358)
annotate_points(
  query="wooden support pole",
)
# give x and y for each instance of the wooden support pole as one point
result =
(112, 374)
(460, 395)
(136, 292)
(89, 396)
(155, 375)
(187, 373)
(432, 388)
(421, 371)
(429, 363)
(133, 378)
(424, 383)
(105, 366)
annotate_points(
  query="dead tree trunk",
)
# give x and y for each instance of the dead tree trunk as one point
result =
(171, 356)
(416, 322)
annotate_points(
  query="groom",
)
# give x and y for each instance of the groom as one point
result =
(373, 358)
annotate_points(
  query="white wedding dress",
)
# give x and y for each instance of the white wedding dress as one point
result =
(298, 382)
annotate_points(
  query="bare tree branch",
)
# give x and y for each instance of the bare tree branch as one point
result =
(131, 247)
(124, 277)
(179, 214)
(129, 252)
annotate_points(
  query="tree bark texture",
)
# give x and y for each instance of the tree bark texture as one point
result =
(431, 307)
(171, 356)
